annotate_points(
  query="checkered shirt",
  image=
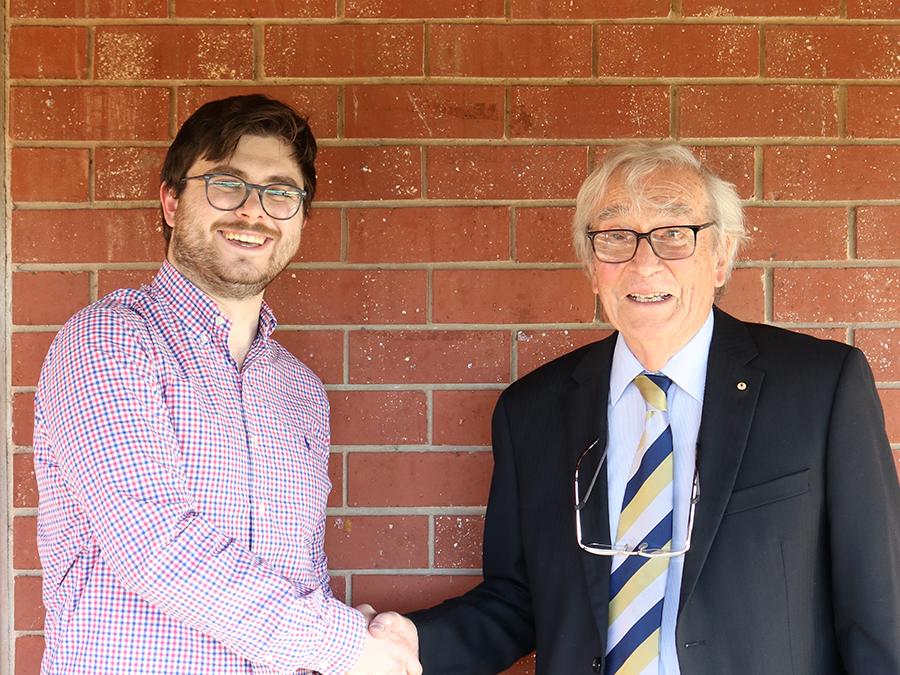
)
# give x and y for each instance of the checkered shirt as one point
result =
(182, 501)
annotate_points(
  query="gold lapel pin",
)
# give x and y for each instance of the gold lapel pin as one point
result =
(742, 386)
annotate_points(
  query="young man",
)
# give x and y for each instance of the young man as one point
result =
(181, 453)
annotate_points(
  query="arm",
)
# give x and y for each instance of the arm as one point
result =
(490, 627)
(864, 514)
(113, 442)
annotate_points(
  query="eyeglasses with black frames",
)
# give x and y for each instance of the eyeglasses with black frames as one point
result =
(672, 242)
(640, 549)
(225, 192)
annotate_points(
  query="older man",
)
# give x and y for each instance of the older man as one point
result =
(694, 494)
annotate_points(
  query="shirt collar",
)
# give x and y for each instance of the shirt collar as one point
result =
(687, 368)
(199, 313)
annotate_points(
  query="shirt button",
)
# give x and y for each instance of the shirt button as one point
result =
(203, 339)
(261, 508)
(220, 320)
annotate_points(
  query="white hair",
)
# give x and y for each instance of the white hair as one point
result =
(635, 162)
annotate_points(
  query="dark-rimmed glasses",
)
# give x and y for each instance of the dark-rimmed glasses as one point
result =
(225, 192)
(672, 242)
(641, 549)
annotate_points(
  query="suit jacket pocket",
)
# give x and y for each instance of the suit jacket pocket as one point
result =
(776, 490)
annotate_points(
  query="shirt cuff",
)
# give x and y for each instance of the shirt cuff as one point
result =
(342, 639)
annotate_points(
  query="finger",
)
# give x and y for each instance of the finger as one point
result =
(413, 667)
(385, 622)
(367, 610)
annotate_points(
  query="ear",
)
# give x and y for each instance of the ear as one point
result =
(721, 269)
(169, 203)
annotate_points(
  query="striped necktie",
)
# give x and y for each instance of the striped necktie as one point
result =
(638, 584)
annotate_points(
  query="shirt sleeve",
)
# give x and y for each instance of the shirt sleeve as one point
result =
(114, 444)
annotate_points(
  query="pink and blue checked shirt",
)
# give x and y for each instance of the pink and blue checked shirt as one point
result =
(182, 501)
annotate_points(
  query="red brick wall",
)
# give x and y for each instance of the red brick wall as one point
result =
(437, 269)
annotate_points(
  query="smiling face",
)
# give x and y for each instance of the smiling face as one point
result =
(657, 305)
(234, 254)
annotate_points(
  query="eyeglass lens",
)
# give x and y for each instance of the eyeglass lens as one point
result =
(227, 193)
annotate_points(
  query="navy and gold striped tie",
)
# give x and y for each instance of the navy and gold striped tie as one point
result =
(638, 584)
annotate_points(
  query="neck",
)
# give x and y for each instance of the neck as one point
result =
(652, 356)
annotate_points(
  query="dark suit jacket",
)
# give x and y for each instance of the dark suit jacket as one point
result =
(795, 560)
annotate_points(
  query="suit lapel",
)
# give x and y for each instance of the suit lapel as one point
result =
(729, 402)
(586, 410)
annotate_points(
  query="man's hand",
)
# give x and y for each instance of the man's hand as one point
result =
(386, 652)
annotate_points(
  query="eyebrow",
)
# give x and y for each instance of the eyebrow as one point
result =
(233, 170)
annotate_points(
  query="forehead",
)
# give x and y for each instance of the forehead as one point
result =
(666, 190)
(259, 157)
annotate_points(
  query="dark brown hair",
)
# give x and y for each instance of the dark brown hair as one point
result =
(215, 128)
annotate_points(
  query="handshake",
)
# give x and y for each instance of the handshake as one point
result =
(391, 646)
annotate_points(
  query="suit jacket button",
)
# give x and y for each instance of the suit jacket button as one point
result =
(597, 665)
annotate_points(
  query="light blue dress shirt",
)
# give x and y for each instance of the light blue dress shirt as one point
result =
(625, 412)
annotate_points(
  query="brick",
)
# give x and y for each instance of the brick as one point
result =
(743, 295)
(430, 356)
(29, 608)
(512, 296)
(831, 172)
(318, 103)
(173, 52)
(536, 347)
(27, 356)
(890, 401)
(25, 554)
(423, 111)
(882, 349)
(29, 651)
(865, 52)
(443, 234)
(348, 296)
(68, 166)
(48, 52)
(766, 8)
(837, 295)
(605, 111)
(47, 298)
(876, 232)
(320, 239)
(758, 110)
(376, 542)
(504, 50)
(344, 50)
(405, 9)
(544, 234)
(111, 280)
(22, 418)
(872, 9)
(732, 163)
(89, 113)
(405, 593)
(361, 173)
(463, 417)
(112, 9)
(97, 235)
(251, 9)
(418, 478)
(123, 173)
(873, 112)
(336, 476)
(588, 9)
(457, 541)
(378, 417)
(321, 350)
(24, 487)
(339, 588)
(497, 172)
(677, 50)
(790, 233)
(527, 665)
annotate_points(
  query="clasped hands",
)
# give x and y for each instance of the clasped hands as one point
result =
(391, 646)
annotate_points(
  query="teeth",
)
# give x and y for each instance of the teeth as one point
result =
(257, 239)
(653, 297)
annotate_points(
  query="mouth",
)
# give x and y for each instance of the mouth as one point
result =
(245, 240)
(649, 298)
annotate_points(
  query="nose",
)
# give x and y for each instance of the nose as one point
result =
(644, 255)
(252, 206)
